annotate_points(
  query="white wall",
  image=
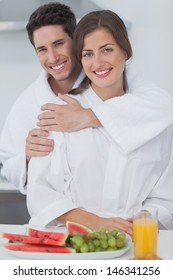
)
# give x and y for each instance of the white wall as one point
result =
(151, 36)
(18, 68)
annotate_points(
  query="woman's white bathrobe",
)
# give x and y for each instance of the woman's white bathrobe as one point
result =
(87, 169)
(139, 115)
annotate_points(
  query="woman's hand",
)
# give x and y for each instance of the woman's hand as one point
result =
(95, 222)
(120, 224)
(37, 144)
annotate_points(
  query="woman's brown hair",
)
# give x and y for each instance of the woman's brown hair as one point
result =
(93, 21)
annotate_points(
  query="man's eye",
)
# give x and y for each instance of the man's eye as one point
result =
(59, 44)
(40, 50)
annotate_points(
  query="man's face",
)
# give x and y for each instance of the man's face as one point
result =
(54, 50)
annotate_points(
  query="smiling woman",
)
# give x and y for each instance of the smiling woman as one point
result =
(103, 51)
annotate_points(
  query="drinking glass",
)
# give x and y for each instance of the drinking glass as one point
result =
(145, 232)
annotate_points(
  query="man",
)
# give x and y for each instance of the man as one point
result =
(50, 29)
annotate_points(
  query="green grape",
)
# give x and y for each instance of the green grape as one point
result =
(91, 235)
(96, 243)
(103, 236)
(77, 240)
(120, 243)
(103, 244)
(77, 233)
(114, 232)
(76, 248)
(102, 229)
(91, 246)
(121, 236)
(84, 248)
(112, 242)
(98, 249)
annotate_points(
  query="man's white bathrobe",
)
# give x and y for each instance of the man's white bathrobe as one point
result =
(138, 116)
(88, 170)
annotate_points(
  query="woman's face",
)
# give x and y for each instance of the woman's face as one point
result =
(103, 62)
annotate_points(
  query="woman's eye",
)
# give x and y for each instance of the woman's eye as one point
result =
(88, 54)
(107, 50)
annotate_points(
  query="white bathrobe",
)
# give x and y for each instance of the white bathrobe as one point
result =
(139, 115)
(88, 170)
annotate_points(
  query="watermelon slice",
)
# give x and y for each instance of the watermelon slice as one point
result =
(33, 240)
(60, 237)
(73, 227)
(39, 248)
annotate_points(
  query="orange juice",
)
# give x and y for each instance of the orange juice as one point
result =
(145, 231)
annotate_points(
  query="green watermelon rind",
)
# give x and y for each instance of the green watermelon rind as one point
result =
(73, 227)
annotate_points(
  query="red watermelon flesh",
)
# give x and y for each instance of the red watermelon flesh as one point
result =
(39, 248)
(73, 227)
(32, 240)
(58, 236)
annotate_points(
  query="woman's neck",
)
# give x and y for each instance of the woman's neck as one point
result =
(106, 93)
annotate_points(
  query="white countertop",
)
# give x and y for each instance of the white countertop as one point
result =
(165, 243)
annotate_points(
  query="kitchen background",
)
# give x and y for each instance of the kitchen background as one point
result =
(149, 24)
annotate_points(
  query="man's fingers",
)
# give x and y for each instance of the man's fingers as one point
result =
(46, 115)
(38, 132)
(67, 98)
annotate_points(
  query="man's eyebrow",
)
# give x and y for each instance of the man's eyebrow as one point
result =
(53, 43)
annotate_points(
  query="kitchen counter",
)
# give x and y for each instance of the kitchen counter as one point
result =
(165, 241)
(12, 204)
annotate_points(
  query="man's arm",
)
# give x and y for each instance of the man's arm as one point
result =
(69, 117)
(138, 116)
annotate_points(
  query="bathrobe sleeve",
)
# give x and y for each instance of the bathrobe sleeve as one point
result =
(161, 195)
(20, 120)
(47, 187)
(139, 115)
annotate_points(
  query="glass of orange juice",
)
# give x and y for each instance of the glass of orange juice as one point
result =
(145, 232)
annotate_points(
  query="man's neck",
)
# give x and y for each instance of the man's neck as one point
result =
(64, 86)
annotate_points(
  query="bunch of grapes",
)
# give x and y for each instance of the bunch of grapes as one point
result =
(98, 241)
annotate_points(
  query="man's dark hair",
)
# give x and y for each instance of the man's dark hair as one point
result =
(51, 14)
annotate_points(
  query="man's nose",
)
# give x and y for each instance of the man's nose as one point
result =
(52, 56)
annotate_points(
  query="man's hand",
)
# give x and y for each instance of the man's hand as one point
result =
(69, 117)
(37, 144)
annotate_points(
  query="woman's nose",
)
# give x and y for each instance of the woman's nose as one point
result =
(98, 61)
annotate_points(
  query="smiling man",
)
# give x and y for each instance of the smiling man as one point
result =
(50, 29)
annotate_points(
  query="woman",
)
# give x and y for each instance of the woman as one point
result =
(87, 178)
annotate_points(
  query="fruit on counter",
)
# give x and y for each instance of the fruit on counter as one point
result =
(35, 240)
(80, 239)
(97, 241)
(60, 237)
(39, 248)
(73, 227)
